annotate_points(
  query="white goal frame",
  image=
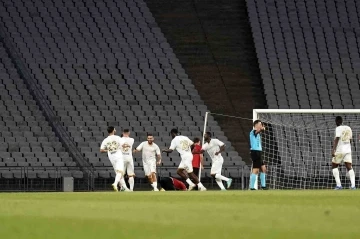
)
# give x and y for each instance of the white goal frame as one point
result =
(256, 113)
(304, 111)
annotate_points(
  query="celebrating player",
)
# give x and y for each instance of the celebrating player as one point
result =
(214, 147)
(182, 145)
(256, 151)
(341, 152)
(112, 145)
(128, 158)
(151, 156)
(171, 184)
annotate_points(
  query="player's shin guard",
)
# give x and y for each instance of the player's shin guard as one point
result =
(252, 180)
(219, 176)
(352, 177)
(263, 179)
(220, 183)
(335, 172)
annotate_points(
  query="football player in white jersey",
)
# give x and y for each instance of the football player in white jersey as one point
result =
(341, 152)
(214, 147)
(112, 145)
(151, 157)
(182, 144)
(128, 158)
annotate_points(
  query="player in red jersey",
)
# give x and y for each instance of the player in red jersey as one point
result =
(197, 158)
(171, 184)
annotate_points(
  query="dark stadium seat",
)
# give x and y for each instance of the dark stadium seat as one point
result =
(111, 64)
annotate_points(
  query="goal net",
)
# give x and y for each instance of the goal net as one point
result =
(297, 147)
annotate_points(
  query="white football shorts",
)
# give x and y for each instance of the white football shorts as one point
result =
(117, 162)
(216, 166)
(129, 166)
(339, 158)
(149, 167)
(186, 163)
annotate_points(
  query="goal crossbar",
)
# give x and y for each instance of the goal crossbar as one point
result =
(304, 111)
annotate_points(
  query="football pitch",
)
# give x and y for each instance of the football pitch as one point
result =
(212, 214)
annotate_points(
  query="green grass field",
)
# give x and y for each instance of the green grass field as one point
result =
(211, 214)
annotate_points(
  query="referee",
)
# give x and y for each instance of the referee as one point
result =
(256, 150)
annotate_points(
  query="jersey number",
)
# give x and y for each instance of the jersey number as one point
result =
(346, 136)
(184, 145)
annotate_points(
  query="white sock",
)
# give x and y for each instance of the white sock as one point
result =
(200, 185)
(219, 176)
(154, 184)
(117, 178)
(190, 182)
(352, 177)
(336, 176)
(131, 183)
(220, 183)
(123, 184)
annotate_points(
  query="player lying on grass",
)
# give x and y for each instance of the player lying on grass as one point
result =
(171, 184)
(341, 152)
(112, 145)
(214, 147)
(151, 156)
(182, 145)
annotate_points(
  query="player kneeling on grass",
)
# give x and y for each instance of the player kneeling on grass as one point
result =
(341, 151)
(113, 145)
(214, 147)
(171, 184)
(128, 158)
(151, 157)
(182, 145)
(256, 157)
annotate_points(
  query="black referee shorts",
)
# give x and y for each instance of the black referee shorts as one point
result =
(167, 184)
(256, 159)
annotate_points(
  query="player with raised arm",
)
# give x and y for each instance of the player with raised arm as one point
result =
(112, 145)
(341, 152)
(256, 156)
(214, 147)
(128, 158)
(182, 145)
(151, 157)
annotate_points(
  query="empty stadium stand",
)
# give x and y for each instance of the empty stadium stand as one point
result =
(308, 52)
(107, 62)
(27, 140)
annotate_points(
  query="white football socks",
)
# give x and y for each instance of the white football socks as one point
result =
(190, 182)
(219, 176)
(131, 183)
(200, 185)
(117, 178)
(220, 183)
(337, 177)
(123, 184)
(352, 177)
(154, 184)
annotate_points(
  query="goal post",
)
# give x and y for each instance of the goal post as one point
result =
(297, 146)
